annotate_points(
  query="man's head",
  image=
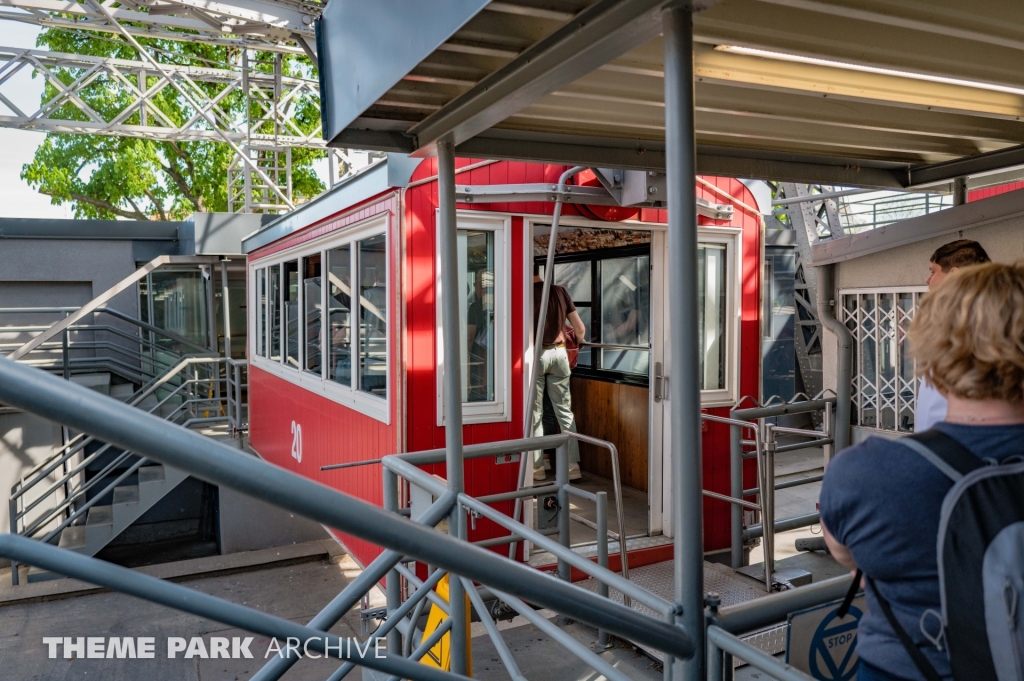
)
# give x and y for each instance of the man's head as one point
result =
(968, 336)
(953, 256)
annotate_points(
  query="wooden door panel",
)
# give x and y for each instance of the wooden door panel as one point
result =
(618, 413)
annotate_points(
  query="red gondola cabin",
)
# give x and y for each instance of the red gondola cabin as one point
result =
(344, 345)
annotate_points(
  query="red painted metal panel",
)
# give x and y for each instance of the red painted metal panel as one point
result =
(331, 432)
(987, 192)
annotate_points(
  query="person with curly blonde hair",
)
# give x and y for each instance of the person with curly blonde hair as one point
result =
(881, 501)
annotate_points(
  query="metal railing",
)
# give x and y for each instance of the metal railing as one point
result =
(766, 446)
(184, 394)
(724, 624)
(484, 574)
(517, 586)
(145, 353)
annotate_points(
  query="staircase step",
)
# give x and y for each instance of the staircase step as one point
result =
(72, 538)
(36, 575)
(99, 529)
(100, 515)
(151, 474)
(122, 391)
(126, 494)
(126, 507)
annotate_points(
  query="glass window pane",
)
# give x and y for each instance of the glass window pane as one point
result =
(373, 325)
(711, 291)
(261, 312)
(312, 304)
(476, 312)
(585, 312)
(291, 312)
(179, 306)
(625, 312)
(575, 277)
(274, 311)
(339, 314)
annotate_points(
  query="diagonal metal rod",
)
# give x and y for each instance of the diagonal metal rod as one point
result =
(492, 629)
(37, 392)
(351, 594)
(182, 598)
(526, 459)
(418, 596)
(563, 638)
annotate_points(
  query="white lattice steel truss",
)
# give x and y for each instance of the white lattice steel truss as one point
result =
(268, 25)
(884, 387)
(136, 86)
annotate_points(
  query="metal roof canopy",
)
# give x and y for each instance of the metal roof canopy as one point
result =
(864, 92)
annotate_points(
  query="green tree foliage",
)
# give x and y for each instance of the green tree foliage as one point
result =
(145, 179)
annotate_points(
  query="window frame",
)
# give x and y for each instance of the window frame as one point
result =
(596, 306)
(500, 409)
(731, 236)
(351, 396)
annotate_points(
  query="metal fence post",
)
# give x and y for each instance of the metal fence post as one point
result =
(602, 556)
(736, 492)
(828, 428)
(451, 325)
(393, 584)
(13, 510)
(768, 494)
(684, 388)
(562, 480)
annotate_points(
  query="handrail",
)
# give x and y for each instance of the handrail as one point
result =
(619, 511)
(108, 295)
(614, 346)
(720, 641)
(399, 465)
(77, 492)
(134, 400)
(109, 420)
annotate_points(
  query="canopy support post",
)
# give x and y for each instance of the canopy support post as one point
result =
(684, 388)
(452, 386)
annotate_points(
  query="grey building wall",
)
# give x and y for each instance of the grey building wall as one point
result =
(908, 265)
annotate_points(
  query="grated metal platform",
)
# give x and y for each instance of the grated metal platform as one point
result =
(732, 587)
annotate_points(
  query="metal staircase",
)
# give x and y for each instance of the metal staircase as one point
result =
(88, 492)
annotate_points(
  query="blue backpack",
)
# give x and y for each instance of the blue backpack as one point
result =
(981, 565)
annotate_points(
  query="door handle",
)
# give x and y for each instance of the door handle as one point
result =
(660, 383)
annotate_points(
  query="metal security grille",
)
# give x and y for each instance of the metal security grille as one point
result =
(884, 388)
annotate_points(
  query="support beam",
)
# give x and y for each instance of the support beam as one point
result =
(602, 32)
(454, 472)
(979, 164)
(684, 388)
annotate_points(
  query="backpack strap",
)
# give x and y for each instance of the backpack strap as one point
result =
(943, 452)
(920, 661)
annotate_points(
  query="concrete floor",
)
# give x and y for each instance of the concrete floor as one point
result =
(794, 501)
(296, 592)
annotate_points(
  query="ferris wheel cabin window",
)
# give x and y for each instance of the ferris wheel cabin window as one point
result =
(313, 331)
(483, 293)
(611, 289)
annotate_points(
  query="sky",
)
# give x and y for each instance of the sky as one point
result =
(17, 147)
